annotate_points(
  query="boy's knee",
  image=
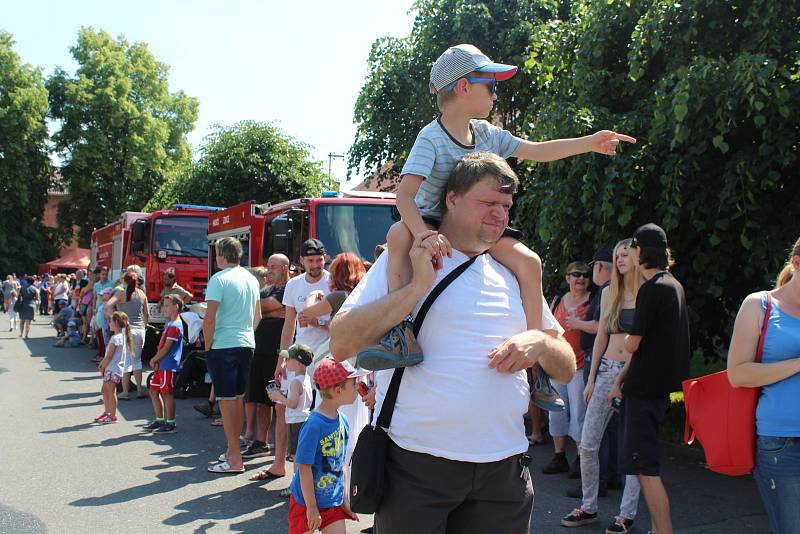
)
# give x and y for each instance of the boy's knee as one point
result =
(399, 235)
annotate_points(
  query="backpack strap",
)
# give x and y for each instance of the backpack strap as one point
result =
(387, 409)
(763, 335)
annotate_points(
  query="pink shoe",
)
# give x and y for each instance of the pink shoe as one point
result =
(100, 417)
(108, 419)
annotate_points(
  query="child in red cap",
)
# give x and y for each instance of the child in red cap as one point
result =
(319, 500)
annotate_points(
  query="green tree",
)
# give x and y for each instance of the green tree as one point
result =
(121, 132)
(248, 161)
(709, 88)
(395, 101)
(24, 163)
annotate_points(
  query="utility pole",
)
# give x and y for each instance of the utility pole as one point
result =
(331, 157)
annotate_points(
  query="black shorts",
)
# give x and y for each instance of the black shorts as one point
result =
(508, 232)
(294, 435)
(640, 450)
(262, 370)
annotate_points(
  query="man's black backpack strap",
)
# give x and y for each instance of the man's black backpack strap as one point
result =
(367, 466)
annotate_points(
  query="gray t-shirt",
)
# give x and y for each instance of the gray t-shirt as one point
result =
(435, 154)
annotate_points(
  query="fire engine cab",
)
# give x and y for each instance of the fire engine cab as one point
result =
(172, 238)
(344, 222)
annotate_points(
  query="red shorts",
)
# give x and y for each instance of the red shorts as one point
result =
(298, 522)
(163, 381)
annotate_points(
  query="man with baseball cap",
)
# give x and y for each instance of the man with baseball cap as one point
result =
(312, 333)
(659, 346)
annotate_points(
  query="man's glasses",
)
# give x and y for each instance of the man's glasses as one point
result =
(578, 274)
(474, 79)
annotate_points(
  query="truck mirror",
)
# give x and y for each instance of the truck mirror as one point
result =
(281, 230)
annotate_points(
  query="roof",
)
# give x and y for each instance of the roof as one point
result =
(76, 258)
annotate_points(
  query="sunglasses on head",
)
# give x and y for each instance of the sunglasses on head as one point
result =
(578, 274)
(474, 79)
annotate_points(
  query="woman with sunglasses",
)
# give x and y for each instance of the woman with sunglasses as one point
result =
(617, 305)
(569, 422)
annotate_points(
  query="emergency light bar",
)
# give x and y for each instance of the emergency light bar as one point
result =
(195, 207)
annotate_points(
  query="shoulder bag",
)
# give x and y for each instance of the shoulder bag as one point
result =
(723, 417)
(368, 464)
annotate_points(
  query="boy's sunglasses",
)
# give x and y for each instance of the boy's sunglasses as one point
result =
(491, 81)
(577, 274)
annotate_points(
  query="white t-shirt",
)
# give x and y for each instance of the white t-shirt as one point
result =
(121, 360)
(452, 405)
(303, 410)
(295, 295)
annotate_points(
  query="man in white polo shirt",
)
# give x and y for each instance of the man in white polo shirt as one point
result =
(457, 435)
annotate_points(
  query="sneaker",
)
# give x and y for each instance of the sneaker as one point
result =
(108, 419)
(558, 464)
(398, 348)
(255, 449)
(575, 468)
(152, 425)
(205, 409)
(544, 395)
(166, 428)
(99, 417)
(578, 518)
(620, 525)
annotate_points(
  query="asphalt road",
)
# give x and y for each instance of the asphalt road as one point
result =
(60, 473)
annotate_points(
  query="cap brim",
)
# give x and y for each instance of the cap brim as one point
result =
(358, 372)
(501, 72)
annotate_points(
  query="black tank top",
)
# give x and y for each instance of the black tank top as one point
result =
(625, 321)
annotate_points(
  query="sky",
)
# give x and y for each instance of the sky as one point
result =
(298, 64)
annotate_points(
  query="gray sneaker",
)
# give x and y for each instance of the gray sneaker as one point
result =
(398, 348)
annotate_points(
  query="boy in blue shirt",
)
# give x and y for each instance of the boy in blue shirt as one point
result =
(166, 362)
(318, 497)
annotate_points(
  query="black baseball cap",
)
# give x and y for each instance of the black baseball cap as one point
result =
(605, 254)
(301, 353)
(649, 235)
(312, 247)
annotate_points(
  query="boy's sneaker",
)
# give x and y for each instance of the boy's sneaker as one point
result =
(620, 525)
(153, 425)
(166, 428)
(578, 518)
(255, 449)
(544, 395)
(398, 348)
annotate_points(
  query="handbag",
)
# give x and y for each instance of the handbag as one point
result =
(723, 417)
(368, 463)
(19, 302)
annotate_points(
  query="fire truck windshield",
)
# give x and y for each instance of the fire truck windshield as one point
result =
(181, 236)
(357, 228)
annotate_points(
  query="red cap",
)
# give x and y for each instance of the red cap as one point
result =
(329, 372)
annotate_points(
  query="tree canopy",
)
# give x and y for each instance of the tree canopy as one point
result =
(709, 88)
(120, 131)
(24, 163)
(248, 161)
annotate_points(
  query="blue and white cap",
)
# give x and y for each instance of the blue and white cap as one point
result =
(458, 61)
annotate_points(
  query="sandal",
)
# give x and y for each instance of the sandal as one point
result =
(224, 468)
(217, 422)
(265, 475)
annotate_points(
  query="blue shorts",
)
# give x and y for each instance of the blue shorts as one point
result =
(229, 369)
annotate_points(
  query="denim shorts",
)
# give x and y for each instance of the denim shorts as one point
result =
(229, 369)
(777, 474)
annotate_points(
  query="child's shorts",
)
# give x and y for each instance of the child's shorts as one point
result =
(163, 381)
(111, 376)
(294, 435)
(298, 522)
(508, 232)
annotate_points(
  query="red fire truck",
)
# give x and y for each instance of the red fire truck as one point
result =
(353, 222)
(156, 241)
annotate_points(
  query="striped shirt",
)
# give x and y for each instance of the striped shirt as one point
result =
(435, 154)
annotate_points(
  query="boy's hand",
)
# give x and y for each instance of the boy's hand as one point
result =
(350, 513)
(154, 363)
(606, 141)
(274, 395)
(313, 517)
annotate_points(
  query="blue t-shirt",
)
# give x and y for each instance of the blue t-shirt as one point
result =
(173, 331)
(236, 290)
(322, 445)
(435, 154)
(74, 338)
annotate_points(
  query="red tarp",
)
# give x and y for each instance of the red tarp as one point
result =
(76, 258)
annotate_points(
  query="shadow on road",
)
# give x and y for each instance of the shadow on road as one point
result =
(226, 505)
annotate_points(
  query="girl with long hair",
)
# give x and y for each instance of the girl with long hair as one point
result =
(617, 305)
(777, 459)
(112, 366)
(133, 301)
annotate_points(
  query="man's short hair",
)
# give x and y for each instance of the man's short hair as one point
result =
(283, 259)
(476, 167)
(231, 249)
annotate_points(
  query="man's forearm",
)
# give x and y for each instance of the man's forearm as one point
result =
(557, 359)
(363, 326)
(209, 325)
(287, 334)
